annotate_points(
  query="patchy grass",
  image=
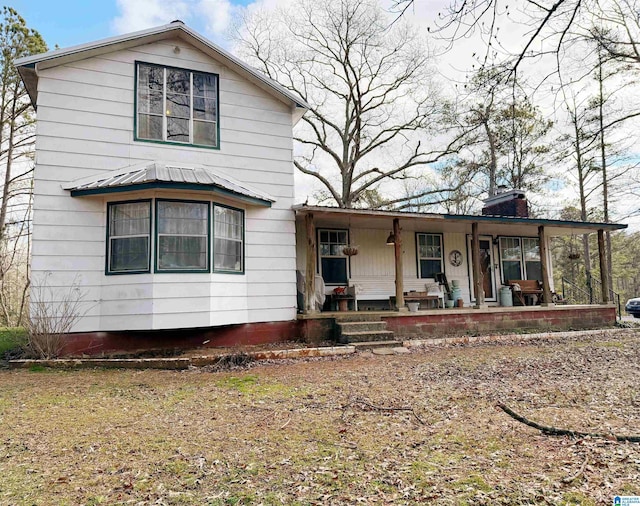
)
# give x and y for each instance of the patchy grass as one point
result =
(11, 338)
(314, 432)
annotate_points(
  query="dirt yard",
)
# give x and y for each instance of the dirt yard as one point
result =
(405, 429)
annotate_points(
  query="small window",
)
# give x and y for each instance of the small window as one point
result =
(429, 255)
(128, 233)
(182, 236)
(228, 239)
(333, 263)
(176, 105)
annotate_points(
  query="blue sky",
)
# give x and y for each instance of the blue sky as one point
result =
(70, 22)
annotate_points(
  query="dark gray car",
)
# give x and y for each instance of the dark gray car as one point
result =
(633, 307)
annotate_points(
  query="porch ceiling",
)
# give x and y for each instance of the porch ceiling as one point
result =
(432, 222)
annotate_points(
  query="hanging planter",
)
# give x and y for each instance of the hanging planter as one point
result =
(574, 256)
(350, 251)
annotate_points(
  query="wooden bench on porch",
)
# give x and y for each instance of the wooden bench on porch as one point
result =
(421, 297)
(523, 287)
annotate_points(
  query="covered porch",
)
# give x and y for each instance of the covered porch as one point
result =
(379, 260)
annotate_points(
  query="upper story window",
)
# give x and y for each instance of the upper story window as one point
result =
(176, 105)
(429, 255)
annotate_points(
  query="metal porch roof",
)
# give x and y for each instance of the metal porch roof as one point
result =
(156, 175)
(445, 221)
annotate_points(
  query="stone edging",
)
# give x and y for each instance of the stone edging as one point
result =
(177, 362)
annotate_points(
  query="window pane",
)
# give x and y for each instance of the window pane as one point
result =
(510, 248)
(149, 127)
(150, 78)
(129, 254)
(511, 270)
(334, 270)
(531, 249)
(429, 268)
(205, 133)
(178, 81)
(177, 130)
(228, 255)
(185, 218)
(204, 85)
(534, 270)
(130, 219)
(182, 252)
(204, 109)
(150, 102)
(178, 105)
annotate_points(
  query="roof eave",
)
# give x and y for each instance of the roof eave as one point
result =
(302, 209)
(82, 51)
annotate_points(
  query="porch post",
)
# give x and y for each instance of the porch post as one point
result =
(478, 285)
(604, 270)
(544, 262)
(310, 272)
(397, 248)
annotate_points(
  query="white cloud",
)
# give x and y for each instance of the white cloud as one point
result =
(141, 14)
(217, 15)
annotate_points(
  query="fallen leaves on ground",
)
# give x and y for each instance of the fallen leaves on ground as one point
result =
(411, 429)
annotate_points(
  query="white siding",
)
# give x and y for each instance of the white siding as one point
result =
(85, 127)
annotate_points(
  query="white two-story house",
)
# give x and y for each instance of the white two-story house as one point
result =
(163, 183)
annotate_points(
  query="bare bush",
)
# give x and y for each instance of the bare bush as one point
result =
(53, 313)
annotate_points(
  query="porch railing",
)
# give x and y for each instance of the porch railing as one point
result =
(589, 293)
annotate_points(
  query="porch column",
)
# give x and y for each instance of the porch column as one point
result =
(478, 285)
(544, 262)
(397, 248)
(310, 272)
(604, 270)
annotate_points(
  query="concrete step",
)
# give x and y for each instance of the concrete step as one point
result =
(370, 345)
(361, 326)
(367, 335)
(356, 316)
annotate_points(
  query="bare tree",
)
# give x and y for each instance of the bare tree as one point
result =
(375, 108)
(17, 137)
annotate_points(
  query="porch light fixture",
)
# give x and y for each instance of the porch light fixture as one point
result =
(391, 240)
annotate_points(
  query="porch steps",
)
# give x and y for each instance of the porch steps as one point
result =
(363, 331)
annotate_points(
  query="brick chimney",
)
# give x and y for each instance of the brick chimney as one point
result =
(507, 203)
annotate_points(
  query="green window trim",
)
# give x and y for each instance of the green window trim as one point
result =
(221, 270)
(154, 234)
(111, 238)
(432, 258)
(157, 268)
(165, 113)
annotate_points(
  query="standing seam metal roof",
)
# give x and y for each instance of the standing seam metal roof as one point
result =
(158, 172)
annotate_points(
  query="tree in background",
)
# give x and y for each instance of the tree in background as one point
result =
(17, 137)
(375, 108)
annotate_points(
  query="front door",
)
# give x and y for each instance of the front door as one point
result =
(486, 267)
